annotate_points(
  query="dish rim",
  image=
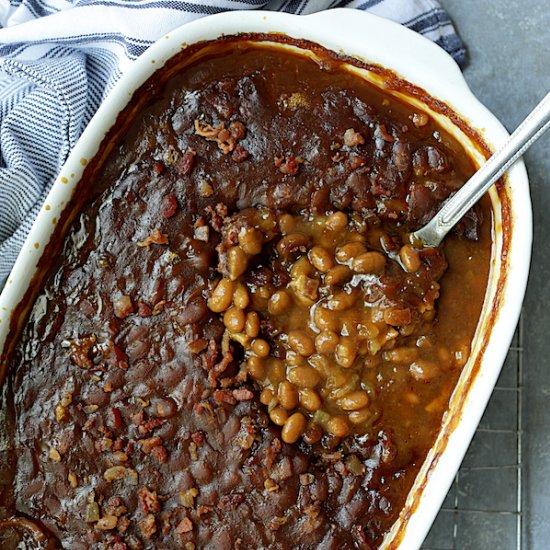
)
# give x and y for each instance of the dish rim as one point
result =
(422, 63)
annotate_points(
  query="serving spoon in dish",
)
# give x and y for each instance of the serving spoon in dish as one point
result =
(534, 125)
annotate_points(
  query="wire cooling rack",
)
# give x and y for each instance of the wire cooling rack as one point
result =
(483, 508)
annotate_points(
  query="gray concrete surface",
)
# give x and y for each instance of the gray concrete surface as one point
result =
(501, 497)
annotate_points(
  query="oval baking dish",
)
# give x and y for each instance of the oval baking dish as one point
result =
(423, 76)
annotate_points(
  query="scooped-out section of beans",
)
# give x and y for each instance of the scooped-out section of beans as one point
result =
(317, 303)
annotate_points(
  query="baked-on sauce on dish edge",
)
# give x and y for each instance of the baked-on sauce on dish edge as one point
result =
(236, 347)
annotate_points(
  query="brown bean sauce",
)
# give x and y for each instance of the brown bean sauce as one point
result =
(236, 347)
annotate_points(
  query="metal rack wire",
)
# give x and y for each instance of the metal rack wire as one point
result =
(483, 508)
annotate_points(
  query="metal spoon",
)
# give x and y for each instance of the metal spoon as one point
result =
(536, 123)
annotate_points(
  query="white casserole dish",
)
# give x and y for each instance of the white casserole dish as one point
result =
(426, 66)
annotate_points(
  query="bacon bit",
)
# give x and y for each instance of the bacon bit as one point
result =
(115, 507)
(148, 501)
(169, 206)
(231, 501)
(306, 479)
(60, 413)
(270, 454)
(237, 129)
(203, 510)
(276, 523)
(160, 454)
(185, 526)
(205, 189)
(193, 450)
(185, 166)
(151, 424)
(73, 480)
(289, 165)
(114, 418)
(270, 485)
(139, 418)
(225, 138)
(187, 497)
(156, 237)
(103, 444)
(158, 168)
(382, 132)
(242, 394)
(148, 526)
(79, 351)
(158, 307)
(197, 345)
(123, 524)
(240, 154)
(147, 445)
(352, 138)
(198, 438)
(398, 317)
(144, 310)
(225, 396)
(202, 233)
(199, 408)
(356, 161)
(54, 454)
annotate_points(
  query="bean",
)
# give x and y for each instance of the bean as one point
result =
(321, 259)
(252, 324)
(250, 240)
(338, 426)
(337, 221)
(337, 275)
(234, 319)
(260, 347)
(294, 427)
(423, 370)
(300, 342)
(349, 251)
(401, 356)
(292, 243)
(288, 395)
(287, 223)
(279, 302)
(241, 298)
(237, 262)
(325, 319)
(410, 258)
(310, 400)
(326, 341)
(304, 377)
(294, 359)
(301, 267)
(354, 401)
(346, 351)
(360, 416)
(255, 367)
(312, 435)
(276, 370)
(369, 262)
(278, 416)
(343, 300)
(222, 296)
(266, 397)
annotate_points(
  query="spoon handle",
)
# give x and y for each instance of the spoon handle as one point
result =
(536, 123)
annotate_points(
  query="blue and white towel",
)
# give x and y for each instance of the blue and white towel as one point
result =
(59, 59)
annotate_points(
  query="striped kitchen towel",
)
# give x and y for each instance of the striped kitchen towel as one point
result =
(59, 58)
